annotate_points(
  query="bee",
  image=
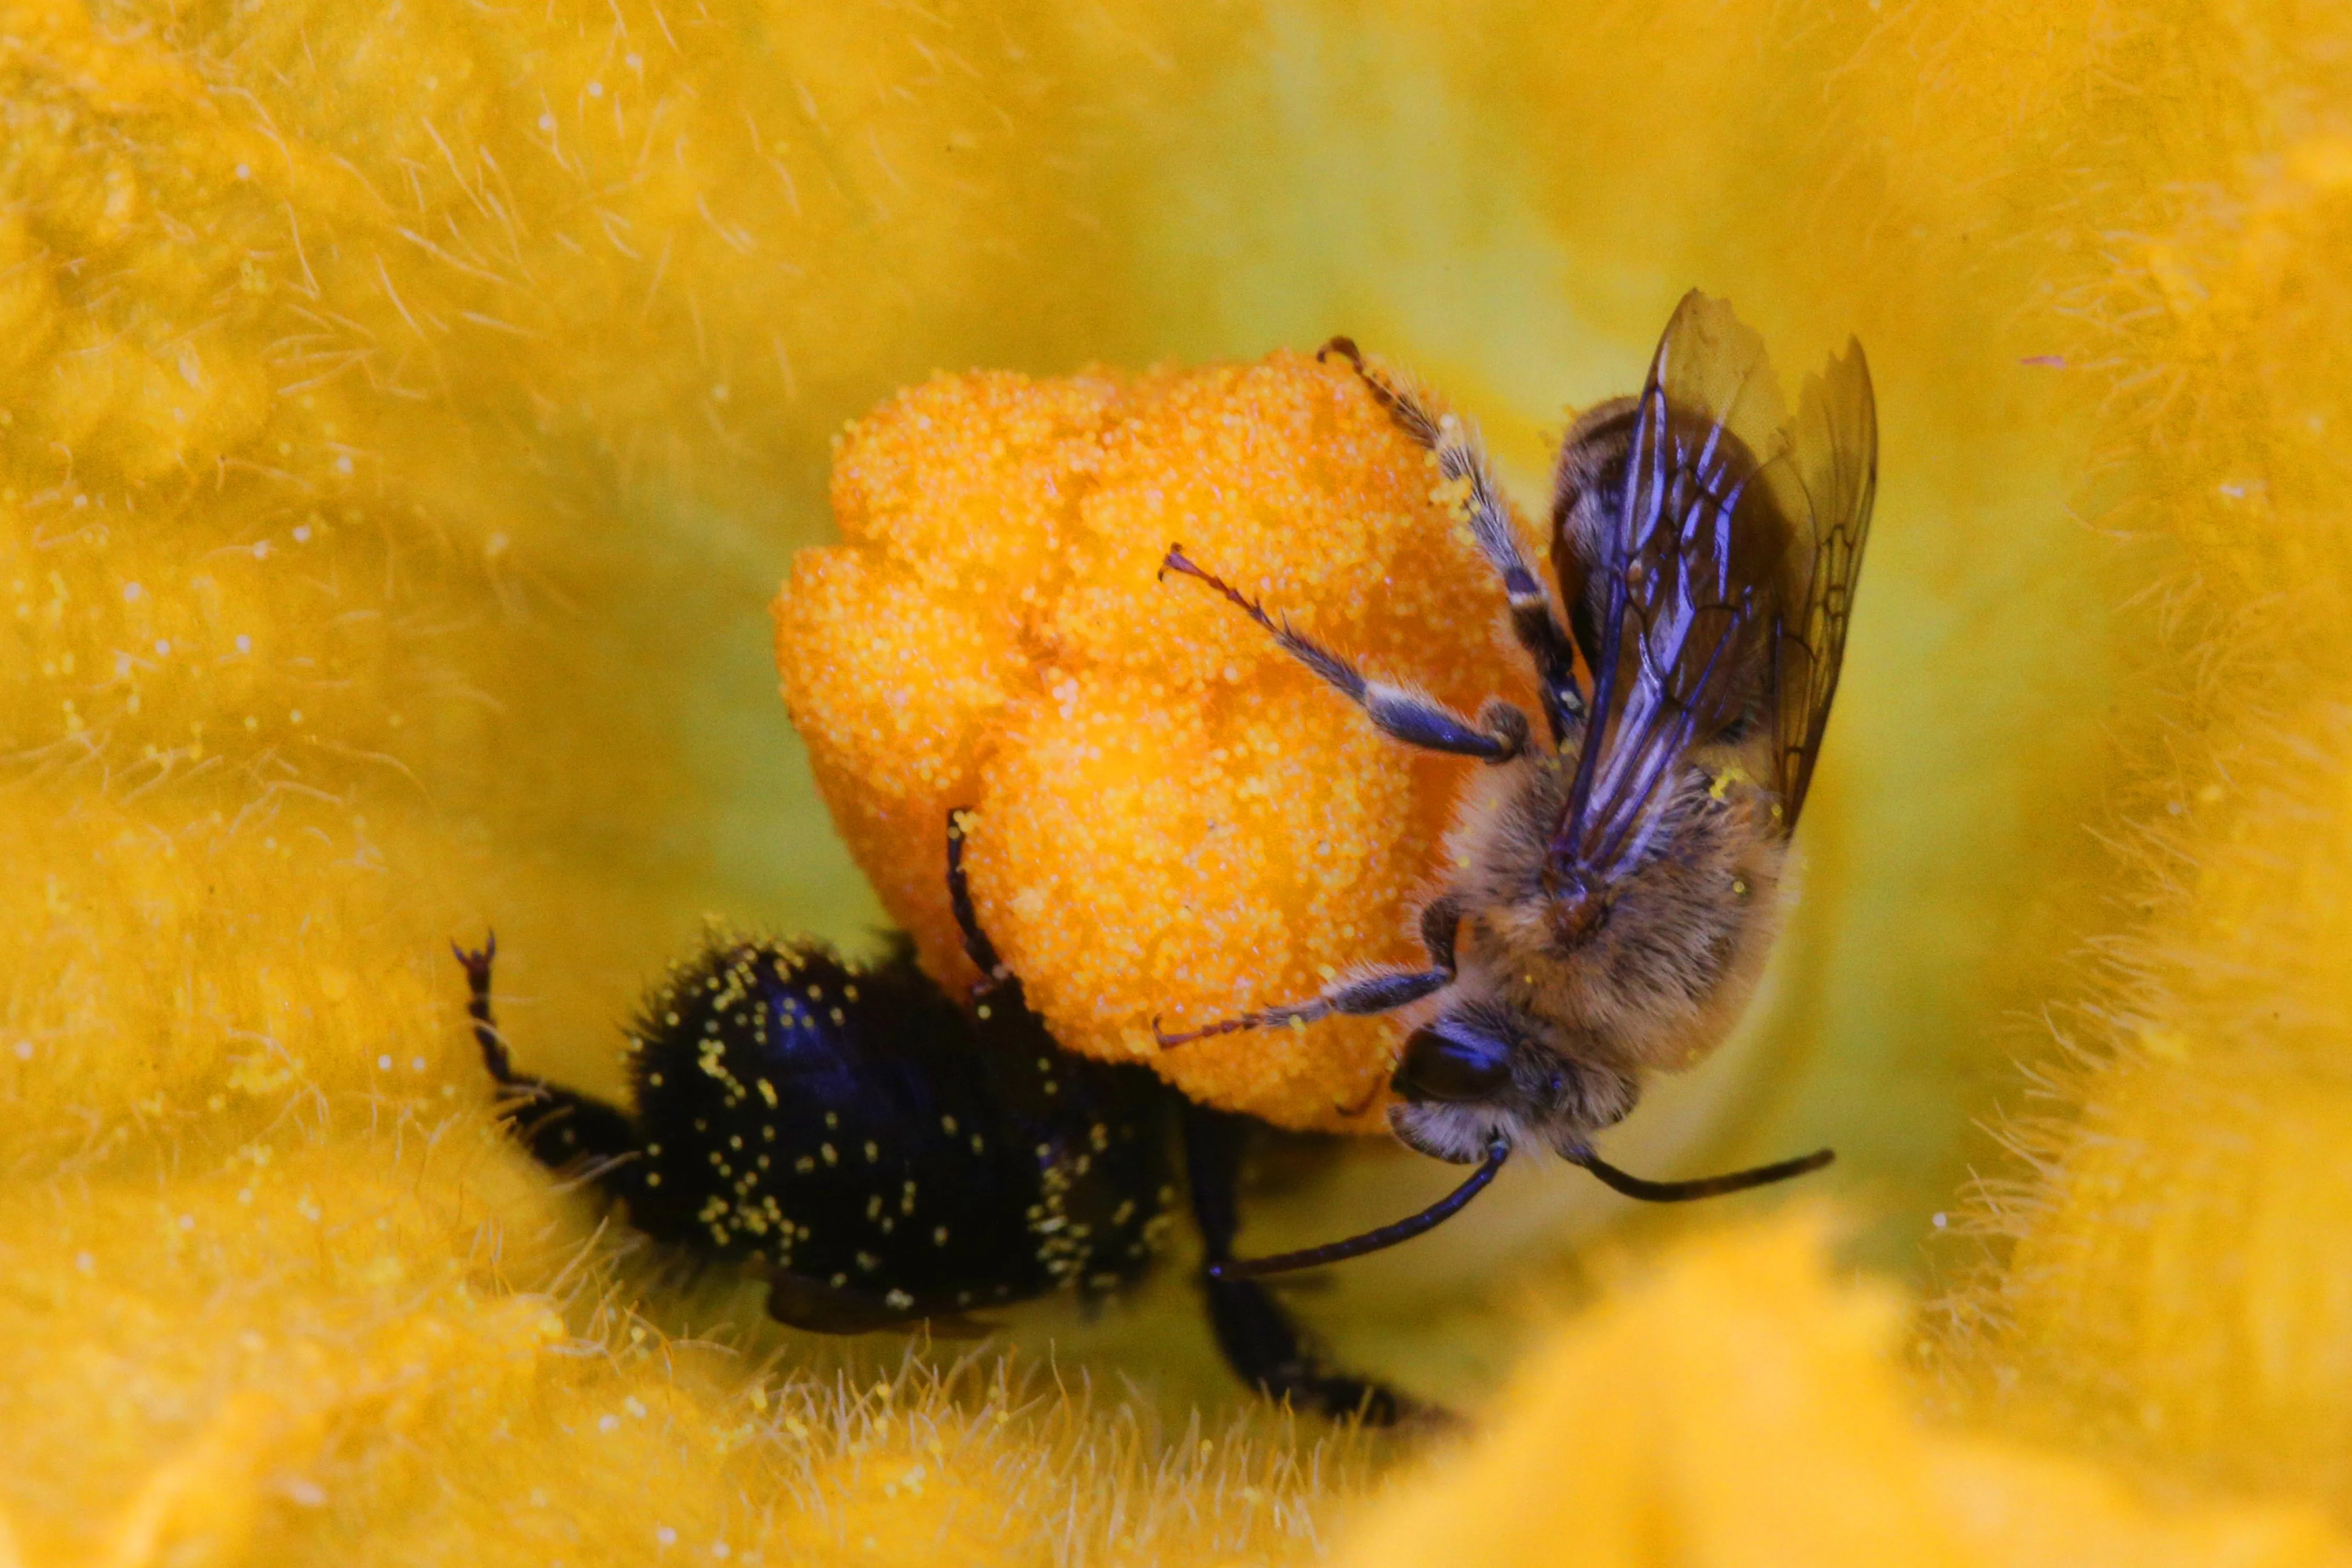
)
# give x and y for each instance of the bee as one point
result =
(1616, 885)
(884, 1154)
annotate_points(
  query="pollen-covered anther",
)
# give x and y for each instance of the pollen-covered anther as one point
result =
(992, 633)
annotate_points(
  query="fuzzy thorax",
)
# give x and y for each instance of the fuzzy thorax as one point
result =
(1655, 981)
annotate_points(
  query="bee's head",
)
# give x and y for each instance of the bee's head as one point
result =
(1479, 1070)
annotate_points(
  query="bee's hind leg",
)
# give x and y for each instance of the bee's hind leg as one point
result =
(1259, 1339)
(1461, 457)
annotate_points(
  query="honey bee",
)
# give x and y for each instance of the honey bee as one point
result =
(1615, 890)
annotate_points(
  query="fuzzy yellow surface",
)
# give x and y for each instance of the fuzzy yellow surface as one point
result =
(1738, 1408)
(407, 413)
(2170, 1288)
(2160, 1277)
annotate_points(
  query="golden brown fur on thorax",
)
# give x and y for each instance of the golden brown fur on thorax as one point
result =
(1679, 943)
(1655, 982)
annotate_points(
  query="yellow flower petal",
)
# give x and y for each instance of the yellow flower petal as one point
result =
(404, 411)
(1737, 1407)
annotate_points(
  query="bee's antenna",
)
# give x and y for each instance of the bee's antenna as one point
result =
(1705, 1186)
(1387, 1236)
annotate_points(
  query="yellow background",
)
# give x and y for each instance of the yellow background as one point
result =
(409, 410)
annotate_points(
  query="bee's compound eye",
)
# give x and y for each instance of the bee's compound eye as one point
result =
(1449, 1062)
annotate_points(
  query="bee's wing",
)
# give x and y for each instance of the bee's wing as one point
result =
(1690, 580)
(1836, 466)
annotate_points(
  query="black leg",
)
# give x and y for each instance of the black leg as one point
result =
(1380, 991)
(1258, 1337)
(561, 1127)
(1376, 991)
(1462, 460)
(477, 966)
(976, 945)
(1500, 733)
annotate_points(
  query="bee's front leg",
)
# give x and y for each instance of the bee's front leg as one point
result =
(1373, 990)
(1366, 993)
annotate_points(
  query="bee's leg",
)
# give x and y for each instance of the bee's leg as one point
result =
(477, 965)
(976, 945)
(1258, 1338)
(1461, 456)
(1378, 991)
(1499, 734)
(560, 1126)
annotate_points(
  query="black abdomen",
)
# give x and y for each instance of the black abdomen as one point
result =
(884, 1154)
(861, 1130)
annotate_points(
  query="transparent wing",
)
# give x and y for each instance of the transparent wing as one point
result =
(1689, 583)
(1836, 465)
